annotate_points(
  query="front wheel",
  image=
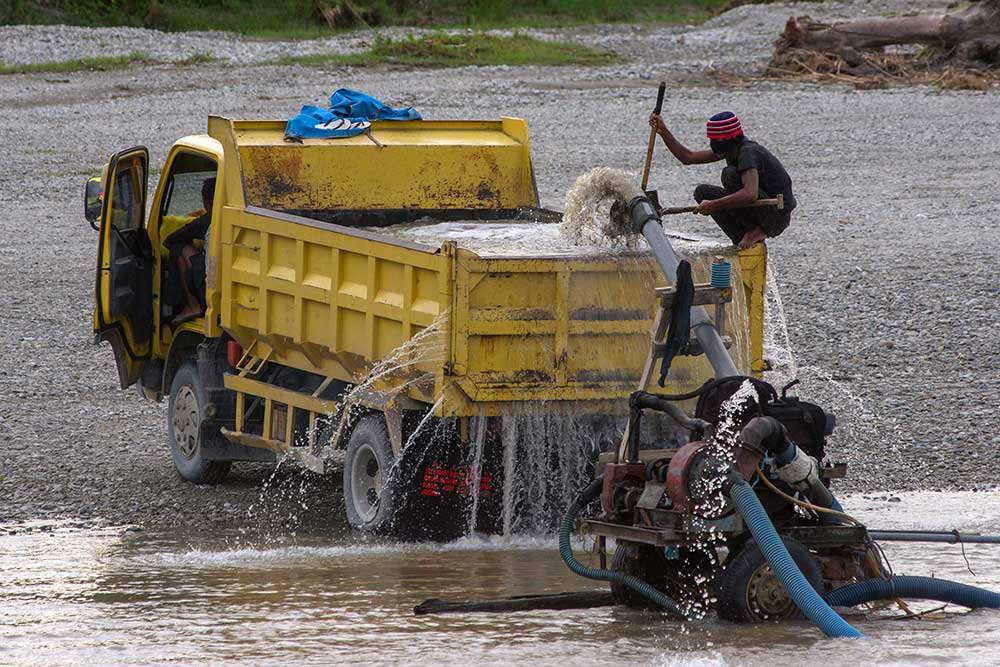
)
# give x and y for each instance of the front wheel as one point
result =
(185, 434)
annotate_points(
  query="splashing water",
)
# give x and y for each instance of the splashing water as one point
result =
(699, 598)
(723, 446)
(596, 209)
(777, 345)
(475, 473)
(545, 462)
(425, 349)
(862, 438)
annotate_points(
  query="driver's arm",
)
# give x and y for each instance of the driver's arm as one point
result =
(193, 230)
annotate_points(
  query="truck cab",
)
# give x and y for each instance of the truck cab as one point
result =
(138, 291)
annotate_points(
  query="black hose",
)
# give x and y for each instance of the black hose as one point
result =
(711, 384)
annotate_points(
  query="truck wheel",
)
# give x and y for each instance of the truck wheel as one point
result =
(184, 432)
(750, 592)
(371, 496)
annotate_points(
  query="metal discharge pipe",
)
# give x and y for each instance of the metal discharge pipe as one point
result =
(646, 221)
(931, 536)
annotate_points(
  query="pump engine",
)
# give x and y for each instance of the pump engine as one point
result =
(675, 528)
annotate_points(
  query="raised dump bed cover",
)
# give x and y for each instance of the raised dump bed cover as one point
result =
(398, 165)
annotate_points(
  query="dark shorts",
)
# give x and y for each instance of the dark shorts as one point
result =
(172, 291)
(736, 222)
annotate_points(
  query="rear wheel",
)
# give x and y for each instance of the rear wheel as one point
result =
(185, 433)
(750, 592)
(371, 494)
(643, 562)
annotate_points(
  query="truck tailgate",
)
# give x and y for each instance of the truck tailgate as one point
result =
(560, 328)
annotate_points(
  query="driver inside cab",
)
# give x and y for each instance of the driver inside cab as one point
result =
(190, 260)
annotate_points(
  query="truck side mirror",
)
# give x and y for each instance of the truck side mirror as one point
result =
(92, 196)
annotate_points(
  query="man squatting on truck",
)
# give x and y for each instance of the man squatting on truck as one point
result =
(751, 173)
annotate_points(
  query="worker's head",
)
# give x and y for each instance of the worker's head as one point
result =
(208, 193)
(725, 134)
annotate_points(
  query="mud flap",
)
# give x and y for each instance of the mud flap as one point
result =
(447, 482)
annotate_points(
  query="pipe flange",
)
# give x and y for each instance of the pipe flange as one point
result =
(695, 480)
(641, 211)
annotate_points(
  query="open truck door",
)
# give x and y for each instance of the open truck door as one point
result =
(123, 312)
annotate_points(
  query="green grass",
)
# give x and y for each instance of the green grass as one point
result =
(437, 50)
(442, 50)
(197, 59)
(100, 64)
(103, 64)
(299, 19)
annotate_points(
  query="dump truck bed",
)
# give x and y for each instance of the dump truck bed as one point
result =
(512, 329)
(310, 283)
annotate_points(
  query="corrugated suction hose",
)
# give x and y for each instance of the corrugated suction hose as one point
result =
(589, 494)
(799, 589)
(922, 588)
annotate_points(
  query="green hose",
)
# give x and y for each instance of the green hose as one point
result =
(589, 494)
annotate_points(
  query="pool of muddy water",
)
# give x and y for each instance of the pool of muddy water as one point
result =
(113, 596)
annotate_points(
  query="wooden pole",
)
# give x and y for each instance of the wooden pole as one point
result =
(652, 136)
(778, 202)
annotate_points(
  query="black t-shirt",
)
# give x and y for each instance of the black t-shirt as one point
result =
(772, 177)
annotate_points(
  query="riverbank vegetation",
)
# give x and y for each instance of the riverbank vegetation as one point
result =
(313, 18)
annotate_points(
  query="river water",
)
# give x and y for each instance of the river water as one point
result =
(114, 596)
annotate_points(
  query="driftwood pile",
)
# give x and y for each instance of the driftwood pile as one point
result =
(959, 50)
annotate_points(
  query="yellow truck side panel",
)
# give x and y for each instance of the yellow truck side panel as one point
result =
(335, 301)
(325, 298)
(537, 329)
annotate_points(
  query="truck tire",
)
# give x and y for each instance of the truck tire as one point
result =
(644, 562)
(185, 434)
(749, 590)
(371, 495)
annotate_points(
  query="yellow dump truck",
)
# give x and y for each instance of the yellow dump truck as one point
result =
(324, 339)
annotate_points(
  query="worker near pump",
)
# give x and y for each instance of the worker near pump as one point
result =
(189, 260)
(751, 173)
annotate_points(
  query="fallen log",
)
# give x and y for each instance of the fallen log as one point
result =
(580, 600)
(972, 34)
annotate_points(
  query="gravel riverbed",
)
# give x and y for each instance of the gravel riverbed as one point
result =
(889, 273)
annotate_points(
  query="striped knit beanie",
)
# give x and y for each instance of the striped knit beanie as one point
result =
(724, 126)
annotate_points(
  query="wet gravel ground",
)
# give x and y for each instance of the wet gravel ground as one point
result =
(890, 271)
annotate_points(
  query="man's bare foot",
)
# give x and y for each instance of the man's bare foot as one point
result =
(752, 238)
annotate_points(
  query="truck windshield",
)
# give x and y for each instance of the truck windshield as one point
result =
(182, 200)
